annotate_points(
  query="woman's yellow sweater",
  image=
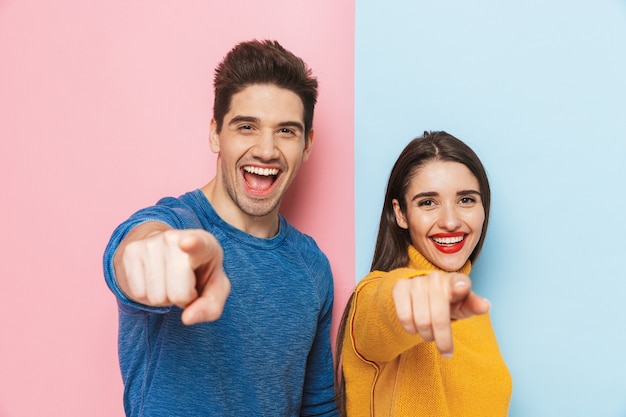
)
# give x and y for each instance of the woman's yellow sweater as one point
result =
(389, 372)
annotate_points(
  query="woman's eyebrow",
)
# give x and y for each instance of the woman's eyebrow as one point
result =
(425, 194)
(435, 194)
(466, 192)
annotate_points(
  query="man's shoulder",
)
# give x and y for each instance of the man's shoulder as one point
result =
(306, 245)
(299, 237)
(190, 199)
(182, 212)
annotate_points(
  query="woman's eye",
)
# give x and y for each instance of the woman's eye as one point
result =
(467, 200)
(426, 203)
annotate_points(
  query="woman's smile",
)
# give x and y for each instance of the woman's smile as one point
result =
(449, 242)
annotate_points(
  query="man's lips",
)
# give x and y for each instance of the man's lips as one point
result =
(448, 242)
(259, 180)
(261, 170)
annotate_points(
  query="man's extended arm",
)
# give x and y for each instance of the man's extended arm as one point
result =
(159, 266)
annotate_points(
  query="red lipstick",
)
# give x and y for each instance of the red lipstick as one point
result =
(448, 242)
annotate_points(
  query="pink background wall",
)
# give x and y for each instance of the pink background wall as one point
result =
(104, 108)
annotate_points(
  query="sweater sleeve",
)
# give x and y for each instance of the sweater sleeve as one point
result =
(375, 331)
(318, 397)
(167, 210)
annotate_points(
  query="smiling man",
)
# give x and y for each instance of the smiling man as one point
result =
(225, 308)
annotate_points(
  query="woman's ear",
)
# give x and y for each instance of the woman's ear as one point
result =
(400, 217)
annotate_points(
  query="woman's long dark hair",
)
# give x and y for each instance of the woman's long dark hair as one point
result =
(392, 243)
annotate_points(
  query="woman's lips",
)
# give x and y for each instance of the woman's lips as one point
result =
(449, 242)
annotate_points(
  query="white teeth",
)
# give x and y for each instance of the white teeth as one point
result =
(261, 171)
(448, 240)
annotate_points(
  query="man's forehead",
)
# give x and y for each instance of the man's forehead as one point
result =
(266, 103)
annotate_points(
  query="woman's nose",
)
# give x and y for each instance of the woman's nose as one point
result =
(449, 218)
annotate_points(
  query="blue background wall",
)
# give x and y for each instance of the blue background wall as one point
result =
(538, 89)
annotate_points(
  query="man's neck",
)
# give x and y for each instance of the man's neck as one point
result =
(258, 226)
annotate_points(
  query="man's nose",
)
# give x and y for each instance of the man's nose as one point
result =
(265, 148)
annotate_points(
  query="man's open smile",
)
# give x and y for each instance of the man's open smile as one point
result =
(259, 180)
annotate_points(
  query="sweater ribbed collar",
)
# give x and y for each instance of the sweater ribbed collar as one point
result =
(417, 261)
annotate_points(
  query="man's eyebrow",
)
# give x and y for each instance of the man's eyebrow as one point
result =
(240, 119)
(251, 119)
(293, 124)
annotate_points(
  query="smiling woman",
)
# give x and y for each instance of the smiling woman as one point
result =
(416, 306)
(443, 212)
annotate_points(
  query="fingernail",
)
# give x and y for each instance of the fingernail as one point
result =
(194, 319)
(459, 284)
(447, 355)
(198, 317)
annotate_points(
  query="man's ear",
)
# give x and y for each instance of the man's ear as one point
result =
(308, 145)
(400, 217)
(214, 138)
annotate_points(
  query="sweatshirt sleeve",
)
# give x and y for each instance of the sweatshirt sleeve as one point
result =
(375, 331)
(318, 397)
(167, 210)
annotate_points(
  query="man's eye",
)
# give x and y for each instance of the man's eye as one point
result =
(287, 131)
